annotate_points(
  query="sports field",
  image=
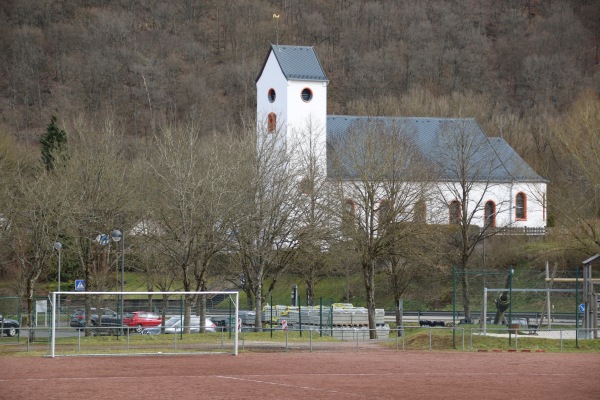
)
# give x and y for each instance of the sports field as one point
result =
(385, 375)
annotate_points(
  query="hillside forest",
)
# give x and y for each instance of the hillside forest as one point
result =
(111, 111)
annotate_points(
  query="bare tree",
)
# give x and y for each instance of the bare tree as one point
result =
(189, 203)
(265, 231)
(577, 199)
(467, 165)
(382, 177)
(95, 179)
(315, 210)
(33, 221)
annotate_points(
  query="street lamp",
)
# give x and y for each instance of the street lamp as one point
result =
(58, 247)
(118, 236)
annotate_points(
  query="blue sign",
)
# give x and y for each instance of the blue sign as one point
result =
(103, 239)
(582, 307)
(80, 285)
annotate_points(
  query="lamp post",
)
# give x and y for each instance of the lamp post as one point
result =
(118, 236)
(58, 247)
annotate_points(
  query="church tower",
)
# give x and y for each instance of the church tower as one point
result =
(291, 103)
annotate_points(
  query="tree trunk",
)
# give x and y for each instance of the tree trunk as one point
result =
(258, 307)
(187, 313)
(30, 308)
(369, 277)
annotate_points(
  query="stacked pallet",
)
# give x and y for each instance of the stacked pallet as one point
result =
(280, 313)
(358, 333)
(247, 317)
(339, 315)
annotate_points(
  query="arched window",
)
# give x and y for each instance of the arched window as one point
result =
(455, 212)
(385, 212)
(271, 95)
(348, 214)
(490, 214)
(420, 212)
(521, 206)
(271, 122)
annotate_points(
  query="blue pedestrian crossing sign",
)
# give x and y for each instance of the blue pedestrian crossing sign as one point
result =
(79, 284)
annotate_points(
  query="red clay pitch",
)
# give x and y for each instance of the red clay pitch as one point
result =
(373, 375)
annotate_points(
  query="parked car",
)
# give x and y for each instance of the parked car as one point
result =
(8, 326)
(98, 317)
(173, 325)
(141, 319)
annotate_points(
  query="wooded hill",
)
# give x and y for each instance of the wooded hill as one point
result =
(148, 63)
(525, 69)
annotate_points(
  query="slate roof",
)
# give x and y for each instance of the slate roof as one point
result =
(491, 159)
(297, 63)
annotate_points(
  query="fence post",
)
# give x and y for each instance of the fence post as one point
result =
(430, 338)
(471, 340)
(561, 339)
(403, 335)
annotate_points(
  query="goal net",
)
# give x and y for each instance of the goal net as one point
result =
(144, 323)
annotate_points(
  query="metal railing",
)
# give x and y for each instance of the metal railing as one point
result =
(409, 338)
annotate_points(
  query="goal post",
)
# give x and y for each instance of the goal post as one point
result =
(221, 337)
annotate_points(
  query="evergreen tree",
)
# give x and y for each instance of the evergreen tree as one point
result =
(53, 145)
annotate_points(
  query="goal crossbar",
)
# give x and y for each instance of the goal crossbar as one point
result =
(233, 295)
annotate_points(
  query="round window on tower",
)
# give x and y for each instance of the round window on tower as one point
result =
(271, 95)
(307, 94)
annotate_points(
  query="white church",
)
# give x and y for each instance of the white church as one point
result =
(506, 194)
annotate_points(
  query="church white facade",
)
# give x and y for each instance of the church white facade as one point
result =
(504, 191)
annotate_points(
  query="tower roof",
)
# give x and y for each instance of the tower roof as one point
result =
(297, 63)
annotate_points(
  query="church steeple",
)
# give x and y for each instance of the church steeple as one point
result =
(291, 91)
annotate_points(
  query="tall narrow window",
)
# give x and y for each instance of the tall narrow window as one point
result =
(420, 212)
(490, 214)
(385, 212)
(271, 122)
(271, 95)
(348, 214)
(455, 212)
(521, 206)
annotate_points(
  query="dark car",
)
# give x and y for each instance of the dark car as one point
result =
(9, 327)
(98, 317)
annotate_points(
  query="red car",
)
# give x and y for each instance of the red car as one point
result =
(141, 319)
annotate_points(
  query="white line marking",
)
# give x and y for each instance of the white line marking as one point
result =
(262, 382)
(242, 377)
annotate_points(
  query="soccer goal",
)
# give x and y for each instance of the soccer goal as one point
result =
(144, 323)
